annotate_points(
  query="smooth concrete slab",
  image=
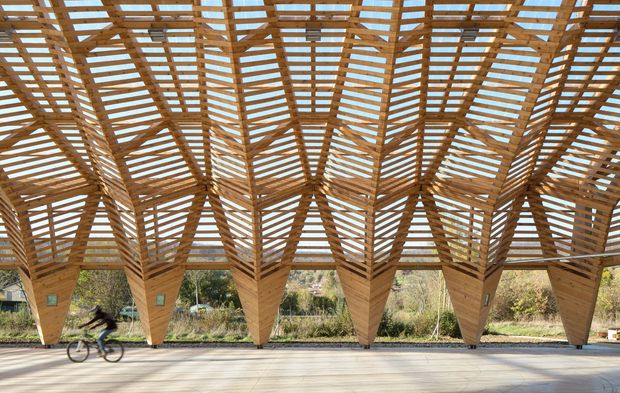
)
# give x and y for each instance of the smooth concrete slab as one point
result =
(596, 368)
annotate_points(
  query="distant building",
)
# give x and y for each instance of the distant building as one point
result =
(12, 298)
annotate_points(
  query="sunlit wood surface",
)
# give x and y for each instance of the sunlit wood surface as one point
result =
(264, 135)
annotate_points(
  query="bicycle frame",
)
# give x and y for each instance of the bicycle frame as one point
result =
(81, 343)
(88, 339)
(84, 343)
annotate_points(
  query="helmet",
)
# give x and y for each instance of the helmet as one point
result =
(95, 309)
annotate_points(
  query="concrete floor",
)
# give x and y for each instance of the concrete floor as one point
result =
(508, 369)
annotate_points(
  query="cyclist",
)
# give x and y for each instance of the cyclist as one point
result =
(105, 318)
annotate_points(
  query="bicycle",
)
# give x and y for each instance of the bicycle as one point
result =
(78, 351)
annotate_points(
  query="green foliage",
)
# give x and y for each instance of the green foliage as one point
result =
(607, 278)
(18, 323)
(107, 288)
(215, 288)
(290, 304)
(221, 323)
(529, 328)
(524, 295)
(8, 277)
(449, 325)
(392, 327)
(338, 324)
(532, 303)
(608, 302)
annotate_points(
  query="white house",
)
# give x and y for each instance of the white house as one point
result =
(12, 293)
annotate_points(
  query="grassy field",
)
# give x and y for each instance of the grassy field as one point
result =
(228, 325)
(188, 332)
(543, 329)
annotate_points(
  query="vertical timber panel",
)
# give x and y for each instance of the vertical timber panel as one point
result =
(576, 296)
(260, 300)
(471, 298)
(50, 319)
(366, 300)
(145, 292)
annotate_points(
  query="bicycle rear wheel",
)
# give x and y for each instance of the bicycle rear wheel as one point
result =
(78, 351)
(114, 351)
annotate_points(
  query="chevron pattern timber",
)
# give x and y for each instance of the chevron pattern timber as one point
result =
(262, 136)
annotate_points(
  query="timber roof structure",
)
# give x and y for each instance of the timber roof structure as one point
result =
(261, 135)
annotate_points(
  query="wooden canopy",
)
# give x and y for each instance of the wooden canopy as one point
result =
(265, 135)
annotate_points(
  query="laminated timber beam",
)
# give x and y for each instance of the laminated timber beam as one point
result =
(575, 284)
(194, 119)
(534, 264)
(368, 219)
(486, 239)
(48, 267)
(445, 22)
(259, 140)
(153, 267)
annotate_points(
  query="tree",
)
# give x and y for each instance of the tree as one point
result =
(8, 277)
(107, 288)
(195, 277)
(215, 287)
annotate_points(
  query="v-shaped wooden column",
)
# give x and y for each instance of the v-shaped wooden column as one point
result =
(48, 269)
(260, 300)
(366, 300)
(256, 159)
(473, 208)
(365, 197)
(576, 295)
(471, 298)
(140, 207)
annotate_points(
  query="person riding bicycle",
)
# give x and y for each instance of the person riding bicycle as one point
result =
(105, 318)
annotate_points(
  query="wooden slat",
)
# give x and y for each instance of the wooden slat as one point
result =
(389, 143)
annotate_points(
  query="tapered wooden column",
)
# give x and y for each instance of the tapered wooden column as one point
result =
(49, 298)
(260, 300)
(471, 299)
(155, 299)
(366, 301)
(576, 296)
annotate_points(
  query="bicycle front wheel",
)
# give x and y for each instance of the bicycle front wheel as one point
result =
(78, 351)
(114, 351)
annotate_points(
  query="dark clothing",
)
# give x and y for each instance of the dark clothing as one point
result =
(105, 318)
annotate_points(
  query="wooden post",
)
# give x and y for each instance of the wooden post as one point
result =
(155, 299)
(366, 300)
(576, 296)
(49, 298)
(471, 299)
(260, 300)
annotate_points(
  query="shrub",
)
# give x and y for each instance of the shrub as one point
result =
(17, 323)
(391, 326)
(449, 325)
(219, 323)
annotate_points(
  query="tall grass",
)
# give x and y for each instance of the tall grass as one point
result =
(228, 324)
